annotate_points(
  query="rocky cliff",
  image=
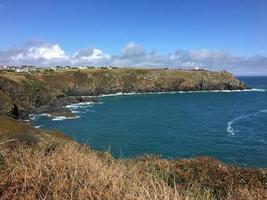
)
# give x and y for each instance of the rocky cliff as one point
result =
(23, 93)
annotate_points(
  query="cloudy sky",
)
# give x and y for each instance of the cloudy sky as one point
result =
(216, 35)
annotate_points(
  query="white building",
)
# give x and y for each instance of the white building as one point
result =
(82, 67)
(25, 68)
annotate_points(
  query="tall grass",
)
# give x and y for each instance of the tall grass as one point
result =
(72, 171)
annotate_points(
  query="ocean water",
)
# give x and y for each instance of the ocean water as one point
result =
(230, 126)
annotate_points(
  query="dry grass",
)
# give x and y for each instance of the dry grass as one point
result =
(13, 76)
(72, 171)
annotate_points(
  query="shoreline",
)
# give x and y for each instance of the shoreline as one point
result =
(64, 112)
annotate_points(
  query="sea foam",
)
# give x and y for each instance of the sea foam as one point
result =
(233, 131)
(180, 92)
(36, 116)
(77, 105)
(60, 118)
(38, 126)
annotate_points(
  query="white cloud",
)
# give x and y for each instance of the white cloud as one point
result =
(133, 50)
(47, 52)
(43, 54)
(89, 56)
(34, 53)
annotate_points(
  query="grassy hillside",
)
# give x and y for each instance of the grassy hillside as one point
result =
(48, 166)
(21, 93)
(92, 82)
(38, 164)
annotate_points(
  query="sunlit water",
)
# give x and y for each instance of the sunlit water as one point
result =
(231, 126)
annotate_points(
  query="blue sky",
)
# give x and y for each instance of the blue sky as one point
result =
(235, 27)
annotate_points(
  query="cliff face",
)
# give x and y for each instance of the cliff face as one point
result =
(94, 82)
(22, 93)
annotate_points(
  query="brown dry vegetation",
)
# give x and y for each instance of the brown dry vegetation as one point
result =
(56, 168)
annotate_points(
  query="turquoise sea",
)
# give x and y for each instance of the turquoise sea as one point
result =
(230, 126)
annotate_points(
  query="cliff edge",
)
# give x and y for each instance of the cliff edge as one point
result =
(22, 93)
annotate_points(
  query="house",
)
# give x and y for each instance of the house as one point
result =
(25, 68)
(59, 67)
(56, 67)
(107, 67)
(22, 69)
(82, 67)
(39, 69)
(11, 68)
(91, 67)
(196, 68)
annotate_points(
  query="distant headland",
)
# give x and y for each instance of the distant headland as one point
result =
(41, 164)
(30, 89)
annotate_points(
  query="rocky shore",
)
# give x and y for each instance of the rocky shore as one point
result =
(42, 164)
(39, 92)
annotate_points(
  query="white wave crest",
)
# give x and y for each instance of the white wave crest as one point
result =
(180, 92)
(258, 90)
(233, 131)
(60, 118)
(77, 105)
(36, 116)
(230, 129)
(38, 126)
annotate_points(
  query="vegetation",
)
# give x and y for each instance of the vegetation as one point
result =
(51, 166)
(38, 164)
(28, 91)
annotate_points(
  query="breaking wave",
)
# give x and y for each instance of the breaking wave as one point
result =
(38, 126)
(36, 116)
(60, 118)
(181, 92)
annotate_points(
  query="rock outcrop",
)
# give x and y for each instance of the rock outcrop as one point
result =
(21, 93)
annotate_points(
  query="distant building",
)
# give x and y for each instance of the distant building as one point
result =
(10, 68)
(91, 67)
(59, 67)
(107, 67)
(196, 68)
(56, 67)
(82, 67)
(26, 68)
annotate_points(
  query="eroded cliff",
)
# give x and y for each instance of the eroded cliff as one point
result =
(21, 93)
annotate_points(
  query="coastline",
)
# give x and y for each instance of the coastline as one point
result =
(64, 111)
(43, 153)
